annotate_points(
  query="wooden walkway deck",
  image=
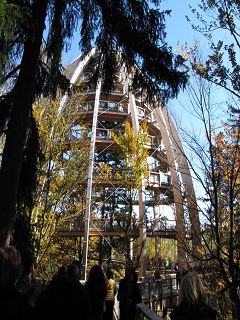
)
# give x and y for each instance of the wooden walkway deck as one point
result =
(102, 227)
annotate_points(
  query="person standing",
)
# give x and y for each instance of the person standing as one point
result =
(128, 294)
(28, 284)
(13, 304)
(192, 300)
(96, 288)
(62, 298)
(178, 276)
(111, 292)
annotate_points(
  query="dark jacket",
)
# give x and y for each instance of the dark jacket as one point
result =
(96, 292)
(62, 299)
(128, 296)
(200, 311)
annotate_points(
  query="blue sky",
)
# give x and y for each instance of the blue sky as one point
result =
(178, 29)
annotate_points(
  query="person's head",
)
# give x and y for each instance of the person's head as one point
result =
(96, 273)
(109, 274)
(129, 271)
(10, 266)
(73, 271)
(191, 289)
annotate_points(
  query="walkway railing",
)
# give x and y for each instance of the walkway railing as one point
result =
(159, 294)
(104, 224)
(143, 312)
(158, 297)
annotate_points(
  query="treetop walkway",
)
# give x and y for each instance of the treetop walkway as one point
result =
(108, 228)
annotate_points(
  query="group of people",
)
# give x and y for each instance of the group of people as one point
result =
(23, 297)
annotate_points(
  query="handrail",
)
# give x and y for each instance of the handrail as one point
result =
(104, 224)
(86, 106)
(143, 312)
(154, 293)
(103, 133)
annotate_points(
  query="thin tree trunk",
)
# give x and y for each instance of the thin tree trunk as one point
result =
(22, 100)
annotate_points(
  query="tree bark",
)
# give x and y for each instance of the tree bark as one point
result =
(23, 95)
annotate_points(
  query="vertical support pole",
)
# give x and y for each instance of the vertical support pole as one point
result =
(134, 113)
(171, 292)
(142, 232)
(131, 249)
(142, 209)
(157, 243)
(89, 181)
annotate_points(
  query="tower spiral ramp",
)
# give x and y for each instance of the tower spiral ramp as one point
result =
(168, 181)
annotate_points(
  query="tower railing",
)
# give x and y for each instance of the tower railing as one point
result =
(87, 106)
(106, 224)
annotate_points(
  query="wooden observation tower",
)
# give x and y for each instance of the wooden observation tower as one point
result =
(168, 182)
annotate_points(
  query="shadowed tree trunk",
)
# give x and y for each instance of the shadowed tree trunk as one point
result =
(21, 102)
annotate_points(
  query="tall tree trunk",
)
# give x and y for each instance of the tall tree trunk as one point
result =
(22, 100)
(234, 297)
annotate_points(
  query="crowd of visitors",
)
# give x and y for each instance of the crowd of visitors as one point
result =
(23, 297)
